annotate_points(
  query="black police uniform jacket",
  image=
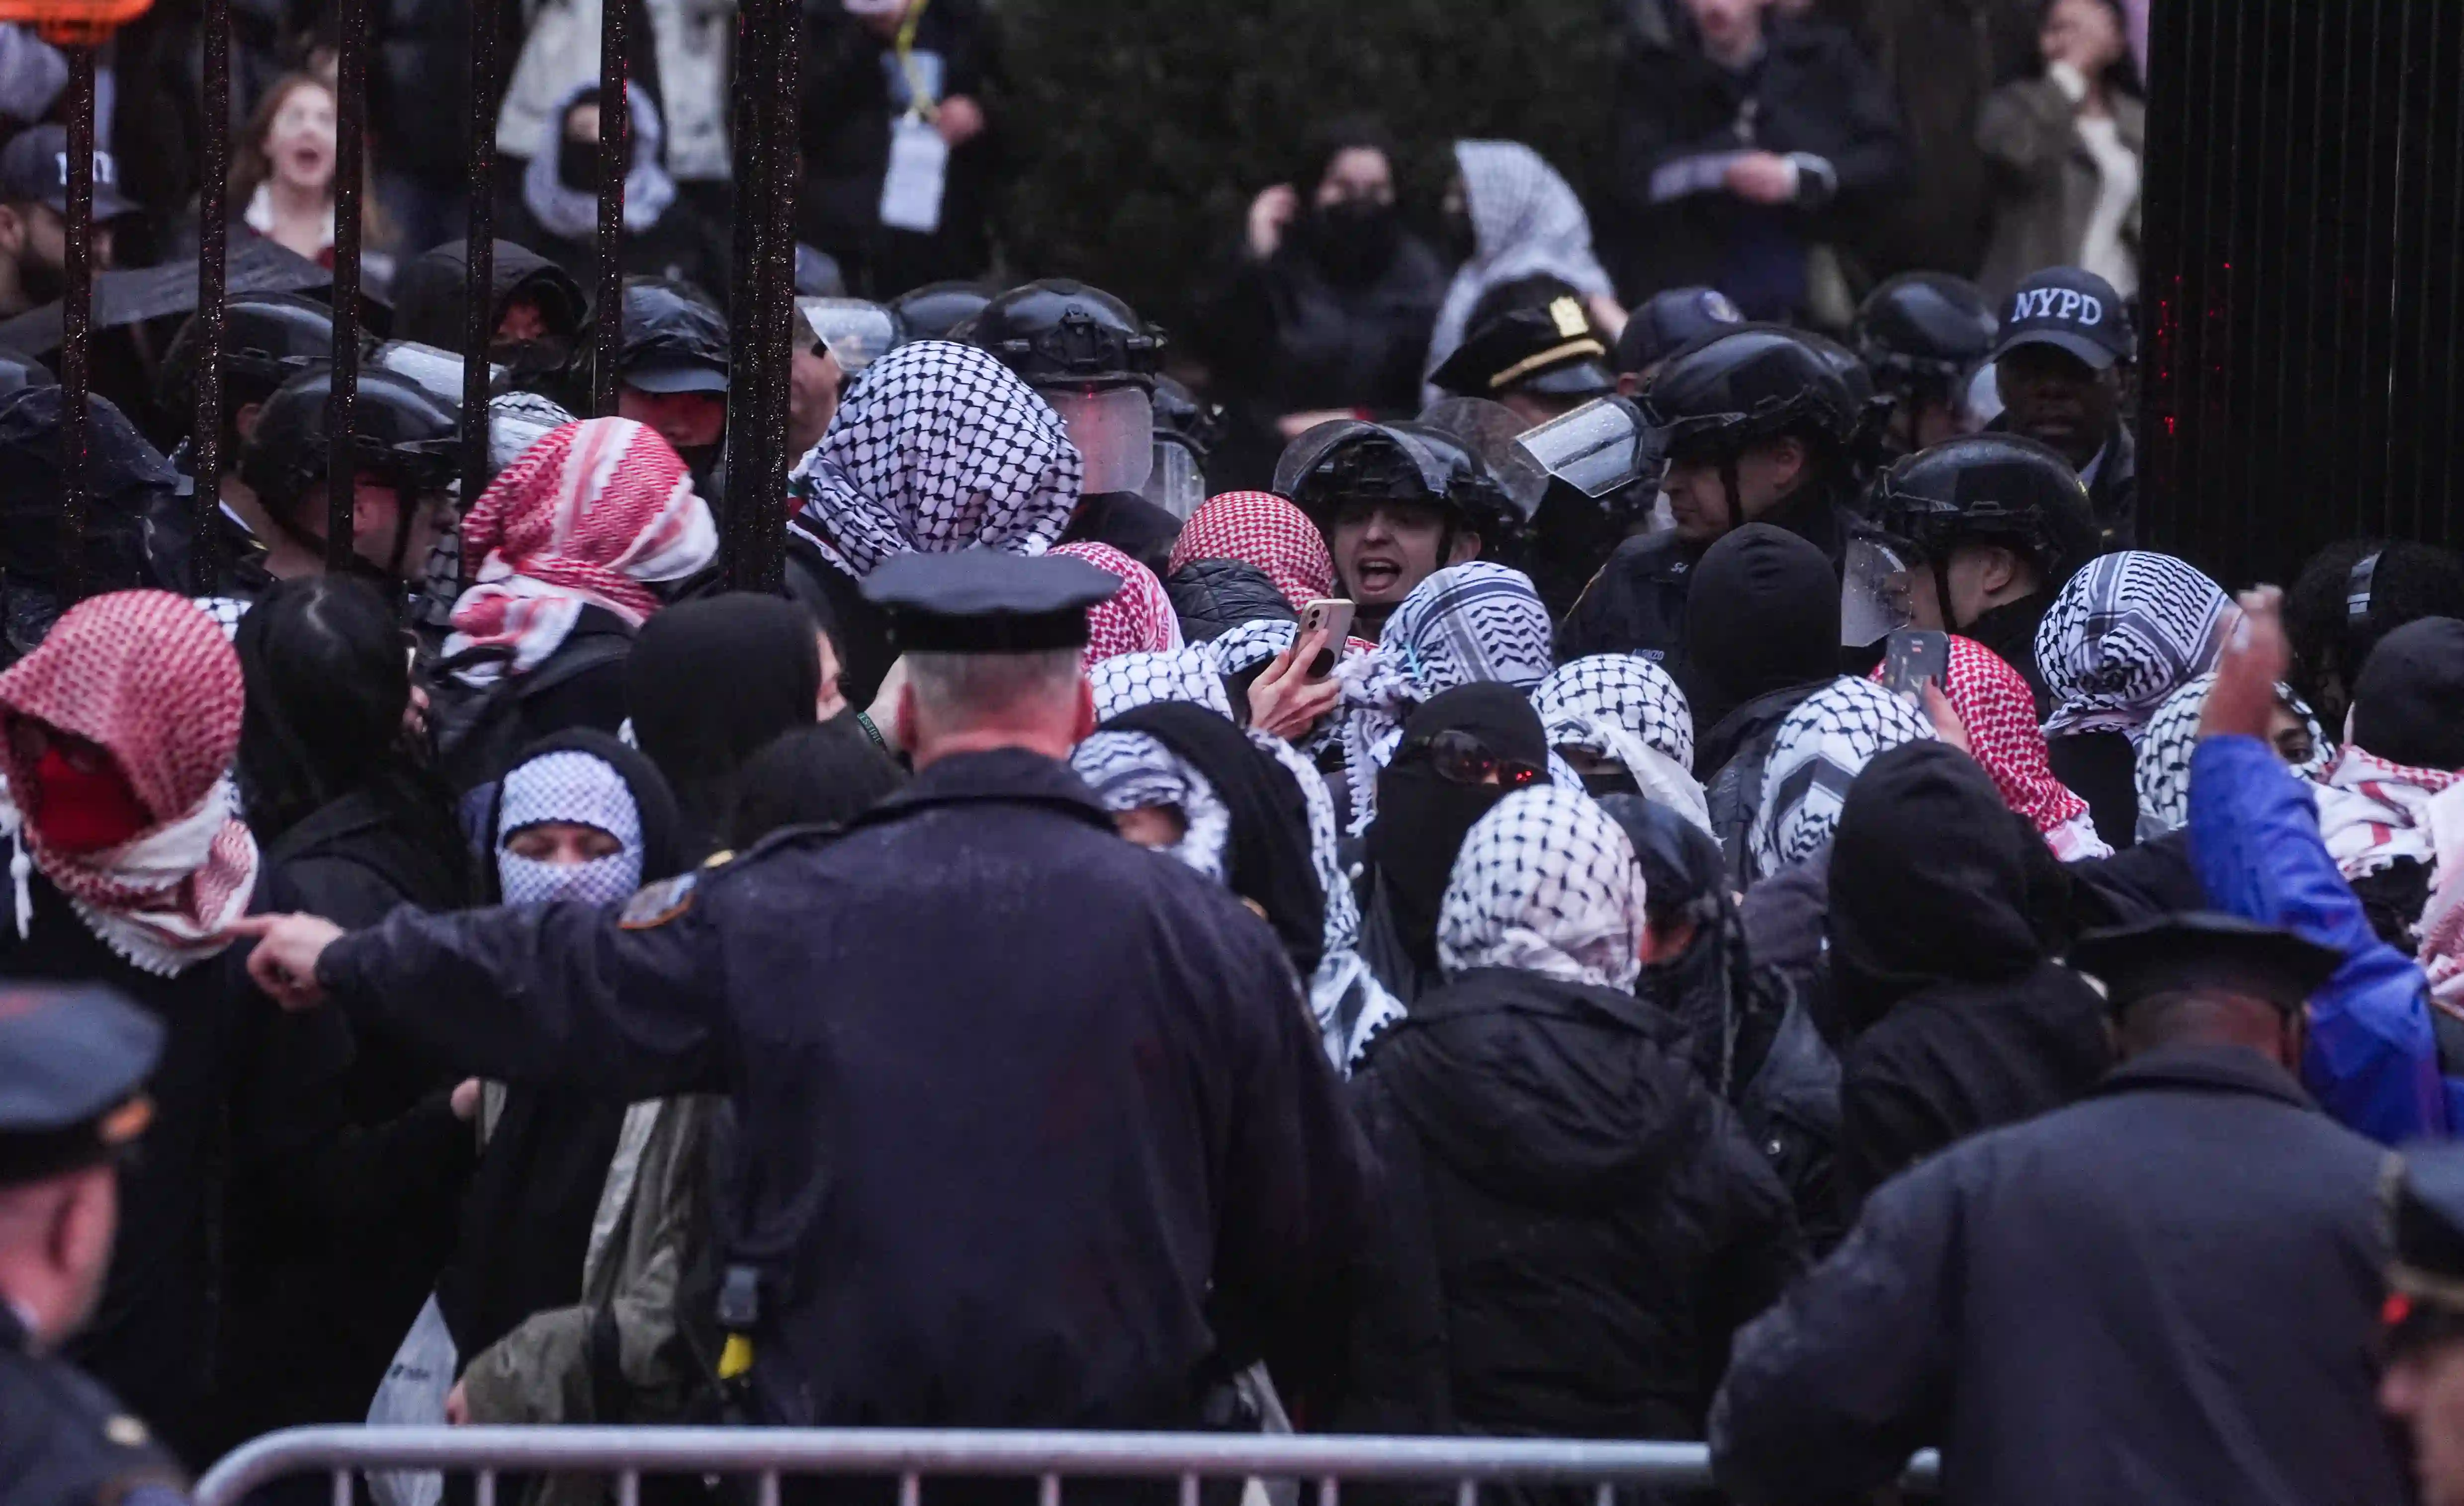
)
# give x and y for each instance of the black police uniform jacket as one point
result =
(2165, 1293)
(1035, 1128)
(64, 1441)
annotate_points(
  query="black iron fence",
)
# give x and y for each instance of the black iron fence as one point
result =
(762, 278)
(2304, 215)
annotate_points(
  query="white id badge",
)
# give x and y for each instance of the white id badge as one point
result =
(919, 163)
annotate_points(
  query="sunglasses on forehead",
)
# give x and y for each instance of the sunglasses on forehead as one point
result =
(1458, 757)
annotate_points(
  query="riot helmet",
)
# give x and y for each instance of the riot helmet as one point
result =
(268, 338)
(1924, 335)
(1734, 387)
(1348, 462)
(1093, 360)
(1667, 322)
(400, 436)
(1186, 430)
(935, 310)
(1987, 488)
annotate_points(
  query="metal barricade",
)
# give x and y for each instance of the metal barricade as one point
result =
(910, 1455)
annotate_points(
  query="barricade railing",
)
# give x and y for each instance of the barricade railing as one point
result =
(1326, 1463)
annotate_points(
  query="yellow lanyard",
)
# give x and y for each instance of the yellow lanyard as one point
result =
(919, 99)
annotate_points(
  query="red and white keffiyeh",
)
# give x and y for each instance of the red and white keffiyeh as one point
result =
(1261, 529)
(2372, 812)
(2442, 919)
(1138, 619)
(1999, 711)
(149, 678)
(592, 516)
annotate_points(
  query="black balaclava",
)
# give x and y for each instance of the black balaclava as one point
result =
(1422, 819)
(1761, 615)
(1931, 882)
(2409, 700)
(709, 684)
(1350, 240)
(1267, 858)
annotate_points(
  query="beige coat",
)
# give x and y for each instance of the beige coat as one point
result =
(2045, 184)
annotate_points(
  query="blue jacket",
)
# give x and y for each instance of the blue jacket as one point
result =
(2372, 1061)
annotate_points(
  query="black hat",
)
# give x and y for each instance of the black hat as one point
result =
(34, 169)
(2203, 951)
(2073, 311)
(71, 1059)
(673, 341)
(1667, 321)
(1547, 348)
(2424, 1191)
(1925, 328)
(986, 601)
(2408, 699)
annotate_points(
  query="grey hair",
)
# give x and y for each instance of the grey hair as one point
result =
(955, 689)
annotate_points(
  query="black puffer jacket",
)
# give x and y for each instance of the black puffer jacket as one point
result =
(1573, 1225)
(1961, 1018)
(1212, 596)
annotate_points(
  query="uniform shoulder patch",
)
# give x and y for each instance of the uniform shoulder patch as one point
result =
(659, 902)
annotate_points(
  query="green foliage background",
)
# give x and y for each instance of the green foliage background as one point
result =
(1144, 127)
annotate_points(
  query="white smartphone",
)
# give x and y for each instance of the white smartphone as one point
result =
(1332, 613)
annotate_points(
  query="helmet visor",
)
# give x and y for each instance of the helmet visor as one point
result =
(1175, 485)
(1599, 447)
(1874, 592)
(1491, 430)
(1113, 429)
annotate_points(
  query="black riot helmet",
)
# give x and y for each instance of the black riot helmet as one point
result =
(1998, 489)
(1063, 334)
(1732, 387)
(268, 338)
(1923, 333)
(1350, 461)
(400, 434)
(937, 309)
(19, 371)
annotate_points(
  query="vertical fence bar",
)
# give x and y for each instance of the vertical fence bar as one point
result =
(763, 278)
(350, 159)
(77, 309)
(480, 249)
(213, 184)
(615, 152)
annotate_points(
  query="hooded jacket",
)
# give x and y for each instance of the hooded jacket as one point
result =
(1212, 596)
(427, 295)
(1573, 1225)
(1960, 1019)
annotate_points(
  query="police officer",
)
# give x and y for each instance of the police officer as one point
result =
(936, 310)
(1540, 361)
(1089, 355)
(1976, 537)
(2424, 1318)
(2082, 1281)
(406, 450)
(2060, 364)
(1757, 426)
(1923, 334)
(1034, 1126)
(73, 1060)
(1397, 503)
(268, 338)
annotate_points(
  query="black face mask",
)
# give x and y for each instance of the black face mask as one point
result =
(43, 282)
(1458, 238)
(1610, 781)
(576, 164)
(1352, 240)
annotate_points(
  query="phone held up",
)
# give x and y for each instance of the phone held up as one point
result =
(1916, 655)
(1333, 614)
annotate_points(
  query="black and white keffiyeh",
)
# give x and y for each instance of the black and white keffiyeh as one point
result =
(1525, 221)
(2128, 631)
(2163, 776)
(1464, 623)
(1126, 682)
(1250, 644)
(1546, 883)
(1353, 1008)
(575, 788)
(1817, 752)
(573, 215)
(1604, 702)
(1134, 771)
(936, 447)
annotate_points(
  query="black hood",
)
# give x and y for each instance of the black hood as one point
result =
(1422, 819)
(2408, 699)
(1212, 596)
(1931, 882)
(1540, 1090)
(1761, 613)
(427, 295)
(702, 727)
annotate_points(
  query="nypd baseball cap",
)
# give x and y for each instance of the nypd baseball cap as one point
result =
(34, 169)
(2072, 311)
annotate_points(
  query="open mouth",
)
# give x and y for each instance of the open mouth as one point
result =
(1374, 575)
